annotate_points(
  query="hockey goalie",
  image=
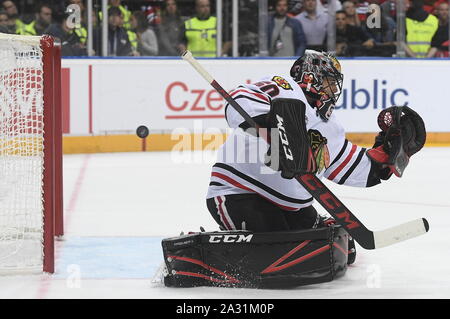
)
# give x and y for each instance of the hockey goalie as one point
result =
(271, 236)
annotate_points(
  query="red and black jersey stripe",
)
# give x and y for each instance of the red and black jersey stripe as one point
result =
(341, 152)
(346, 163)
(248, 94)
(260, 185)
(352, 168)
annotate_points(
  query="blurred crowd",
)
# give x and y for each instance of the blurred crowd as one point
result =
(168, 27)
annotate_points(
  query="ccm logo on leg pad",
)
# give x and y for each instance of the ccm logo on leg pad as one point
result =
(230, 238)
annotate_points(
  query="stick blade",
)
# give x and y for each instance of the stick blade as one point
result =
(401, 232)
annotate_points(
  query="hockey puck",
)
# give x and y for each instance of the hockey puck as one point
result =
(426, 225)
(142, 131)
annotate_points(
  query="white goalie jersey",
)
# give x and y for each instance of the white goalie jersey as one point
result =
(241, 168)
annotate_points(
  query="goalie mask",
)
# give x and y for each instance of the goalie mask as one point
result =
(319, 75)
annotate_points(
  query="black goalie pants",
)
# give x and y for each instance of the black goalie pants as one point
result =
(253, 212)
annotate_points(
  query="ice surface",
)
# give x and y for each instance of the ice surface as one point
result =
(119, 206)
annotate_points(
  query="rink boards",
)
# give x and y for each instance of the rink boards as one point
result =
(105, 100)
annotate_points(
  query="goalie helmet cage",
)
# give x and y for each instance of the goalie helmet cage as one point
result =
(31, 206)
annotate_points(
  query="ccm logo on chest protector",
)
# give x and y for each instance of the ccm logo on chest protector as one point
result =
(283, 137)
(230, 238)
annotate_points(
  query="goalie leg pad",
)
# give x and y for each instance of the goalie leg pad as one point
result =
(256, 260)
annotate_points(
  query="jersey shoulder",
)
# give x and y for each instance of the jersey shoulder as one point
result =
(332, 128)
(256, 98)
(277, 86)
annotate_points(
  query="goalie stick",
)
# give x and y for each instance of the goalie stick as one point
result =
(364, 237)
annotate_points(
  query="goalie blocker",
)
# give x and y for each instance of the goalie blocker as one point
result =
(256, 260)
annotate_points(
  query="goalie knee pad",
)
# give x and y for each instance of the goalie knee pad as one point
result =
(256, 260)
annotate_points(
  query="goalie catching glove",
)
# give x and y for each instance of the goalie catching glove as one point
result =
(402, 135)
(290, 151)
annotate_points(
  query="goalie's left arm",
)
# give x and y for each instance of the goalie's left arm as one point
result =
(350, 166)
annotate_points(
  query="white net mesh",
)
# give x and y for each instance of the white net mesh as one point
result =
(21, 154)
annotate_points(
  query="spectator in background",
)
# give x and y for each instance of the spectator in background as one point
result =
(4, 22)
(385, 32)
(440, 41)
(170, 29)
(384, 36)
(118, 42)
(81, 29)
(70, 42)
(295, 7)
(350, 9)
(152, 14)
(351, 40)
(126, 14)
(199, 33)
(286, 36)
(429, 6)
(248, 37)
(97, 34)
(420, 29)
(388, 8)
(436, 5)
(362, 8)
(314, 25)
(41, 22)
(322, 6)
(80, 4)
(147, 42)
(15, 25)
(78, 25)
(132, 35)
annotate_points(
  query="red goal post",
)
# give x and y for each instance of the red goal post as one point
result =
(31, 189)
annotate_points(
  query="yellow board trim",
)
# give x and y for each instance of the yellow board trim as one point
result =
(165, 142)
(132, 143)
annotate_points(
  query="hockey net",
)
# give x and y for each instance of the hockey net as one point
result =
(30, 153)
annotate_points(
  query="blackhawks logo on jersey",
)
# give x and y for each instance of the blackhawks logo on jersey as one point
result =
(282, 82)
(320, 149)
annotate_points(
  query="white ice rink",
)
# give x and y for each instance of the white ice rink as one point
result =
(119, 206)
